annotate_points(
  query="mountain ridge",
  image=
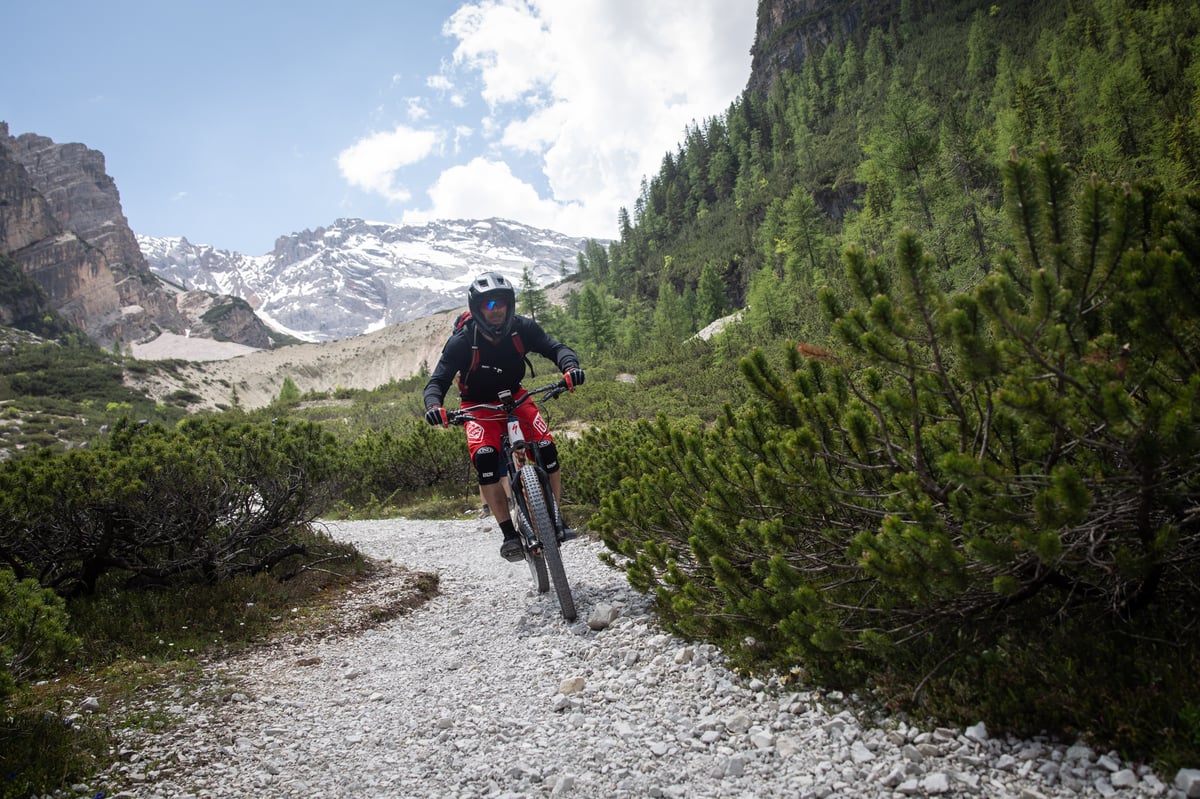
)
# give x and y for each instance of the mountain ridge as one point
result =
(356, 276)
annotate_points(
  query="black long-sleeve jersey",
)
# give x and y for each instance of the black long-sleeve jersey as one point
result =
(500, 364)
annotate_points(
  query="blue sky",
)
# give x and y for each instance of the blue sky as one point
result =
(235, 122)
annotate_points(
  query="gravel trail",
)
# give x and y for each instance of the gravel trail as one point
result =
(486, 692)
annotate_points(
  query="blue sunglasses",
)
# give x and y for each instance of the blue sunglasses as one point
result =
(493, 305)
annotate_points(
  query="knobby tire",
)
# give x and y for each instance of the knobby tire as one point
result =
(543, 525)
(537, 564)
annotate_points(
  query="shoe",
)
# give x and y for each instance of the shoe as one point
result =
(568, 534)
(511, 549)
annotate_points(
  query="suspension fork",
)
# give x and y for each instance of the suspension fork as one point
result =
(530, 457)
(515, 460)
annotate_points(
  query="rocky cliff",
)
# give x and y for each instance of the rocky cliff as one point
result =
(61, 222)
(788, 30)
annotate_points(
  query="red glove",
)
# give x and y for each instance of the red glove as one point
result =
(574, 377)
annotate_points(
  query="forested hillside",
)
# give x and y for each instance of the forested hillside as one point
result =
(959, 464)
(886, 129)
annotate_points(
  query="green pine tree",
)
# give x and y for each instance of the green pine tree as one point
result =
(532, 297)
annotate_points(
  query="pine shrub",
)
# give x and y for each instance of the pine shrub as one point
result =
(212, 498)
(33, 631)
(973, 484)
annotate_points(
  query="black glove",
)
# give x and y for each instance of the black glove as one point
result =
(574, 377)
(436, 415)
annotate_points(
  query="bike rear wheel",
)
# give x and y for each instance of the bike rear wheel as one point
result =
(539, 516)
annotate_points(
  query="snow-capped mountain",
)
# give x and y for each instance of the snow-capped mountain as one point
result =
(355, 277)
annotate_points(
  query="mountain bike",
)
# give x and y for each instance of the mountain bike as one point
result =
(534, 510)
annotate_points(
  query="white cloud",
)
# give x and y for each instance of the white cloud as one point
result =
(462, 135)
(484, 188)
(476, 189)
(416, 109)
(490, 34)
(616, 83)
(371, 162)
(592, 92)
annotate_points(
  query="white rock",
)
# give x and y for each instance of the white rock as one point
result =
(977, 732)
(1080, 752)
(788, 745)
(571, 685)
(602, 616)
(738, 722)
(762, 740)
(860, 754)
(1188, 781)
(936, 783)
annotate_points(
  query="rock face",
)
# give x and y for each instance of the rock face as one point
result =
(788, 30)
(25, 216)
(61, 222)
(65, 229)
(223, 318)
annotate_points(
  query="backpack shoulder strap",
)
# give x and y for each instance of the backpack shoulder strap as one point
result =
(463, 377)
(520, 347)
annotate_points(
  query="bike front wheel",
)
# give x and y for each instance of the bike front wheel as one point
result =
(537, 503)
(534, 559)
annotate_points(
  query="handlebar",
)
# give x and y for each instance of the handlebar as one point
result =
(549, 391)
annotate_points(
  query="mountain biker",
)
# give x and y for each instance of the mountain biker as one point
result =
(486, 510)
(487, 352)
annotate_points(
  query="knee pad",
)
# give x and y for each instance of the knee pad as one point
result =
(549, 456)
(487, 463)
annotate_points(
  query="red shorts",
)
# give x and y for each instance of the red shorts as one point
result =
(489, 428)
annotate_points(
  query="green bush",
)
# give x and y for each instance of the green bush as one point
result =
(1000, 471)
(213, 498)
(116, 623)
(401, 458)
(33, 631)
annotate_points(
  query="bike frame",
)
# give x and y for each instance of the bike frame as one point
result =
(538, 518)
(519, 452)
